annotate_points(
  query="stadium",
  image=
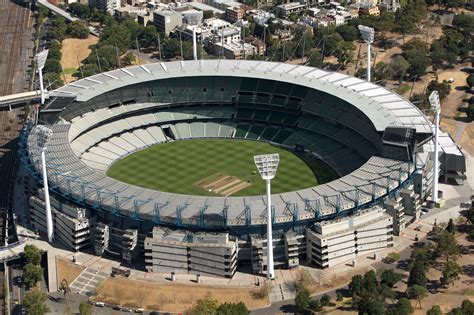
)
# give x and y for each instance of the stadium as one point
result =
(153, 164)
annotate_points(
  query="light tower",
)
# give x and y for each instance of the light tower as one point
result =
(194, 44)
(40, 60)
(267, 165)
(43, 135)
(435, 104)
(368, 34)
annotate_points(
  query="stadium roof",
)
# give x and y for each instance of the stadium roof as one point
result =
(382, 107)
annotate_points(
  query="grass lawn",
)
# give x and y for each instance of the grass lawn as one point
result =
(178, 166)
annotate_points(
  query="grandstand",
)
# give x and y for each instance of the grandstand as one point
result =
(331, 117)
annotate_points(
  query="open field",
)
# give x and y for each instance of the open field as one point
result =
(73, 51)
(170, 297)
(67, 270)
(188, 167)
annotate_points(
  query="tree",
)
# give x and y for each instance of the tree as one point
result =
(325, 300)
(315, 60)
(82, 11)
(348, 32)
(32, 254)
(450, 273)
(470, 80)
(356, 286)
(315, 306)
(344, 52)
(443, 88)
(78, 29)
(446, 245)
(32, 274)
(435, 310)
(205, 307)
(85, 308)
(402, 307)
(52, 65)
(392, 257)
(58, 28)
(303, 301)
(417, 292)
(34, 302)
(232, 309)
(417, 274)
(339, 297)
(390, 277)
(451, 227)
(399, 67)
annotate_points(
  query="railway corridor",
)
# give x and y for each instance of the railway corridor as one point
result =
(16, 46)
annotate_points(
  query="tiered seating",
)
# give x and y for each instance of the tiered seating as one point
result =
(226, 131)
(281, 136)
(144, 136)
(269, 133)
(212, 130)
(197, 130)
(183, 130)
(157, 133)
(244, 113)
(122, 143)
(255, 131)
(241, 130)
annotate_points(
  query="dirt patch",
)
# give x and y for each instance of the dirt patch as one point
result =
(236, 188)
(223, 184)
(73, 51)
(67, 270)
(170, 297)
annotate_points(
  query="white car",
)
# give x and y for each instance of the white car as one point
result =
(450, 80)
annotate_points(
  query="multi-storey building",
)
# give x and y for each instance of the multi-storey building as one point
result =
(333, 242)
(180, 251)
(105, 5)
(166, 20)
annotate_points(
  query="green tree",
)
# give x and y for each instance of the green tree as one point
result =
(417, 274)
(302, 301)
(325, 300)
(443, 88)
(435, 310)
(390, 277)
(356, 286)
(85, 308)
(315, 60)
(205, 307)
(470, 80)
(32, 274)
(402, 307)
(34, 302)
(450, 273)
(80, 10)
(232, 309)
(339, 297)
(78, 29)
(52, 65)
(58, 28)
(348, 32)
(392, 257)
(344, 52)
(32, 254)
(417, 292)
(446, 245)
(451, 227)
(315, 306)
(54, 50)
(399, 67)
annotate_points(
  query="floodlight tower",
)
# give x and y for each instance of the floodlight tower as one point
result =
(40, 60)
(368, 34)
(435, 104)
(43, 135)
(194, 44)
(267, 165)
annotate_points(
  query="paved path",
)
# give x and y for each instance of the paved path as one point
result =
(88, 281)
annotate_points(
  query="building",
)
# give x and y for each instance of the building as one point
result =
(336, 241)
(233, 50)
(290, 8)
(235, 14)
(169, 250)
(71, 224)
(192, 17)
(108, 6)
(395, 209)
(116, 242)
(369, 10)
(166, 20)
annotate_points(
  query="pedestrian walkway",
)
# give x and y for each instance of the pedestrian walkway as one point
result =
(88, 281)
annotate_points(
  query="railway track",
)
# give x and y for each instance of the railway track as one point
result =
(16, 38)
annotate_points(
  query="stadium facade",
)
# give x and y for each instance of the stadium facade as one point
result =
(379, 144)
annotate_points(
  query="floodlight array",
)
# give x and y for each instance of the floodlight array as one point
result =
(267, 164)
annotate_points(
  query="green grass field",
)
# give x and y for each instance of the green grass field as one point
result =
(178, 166)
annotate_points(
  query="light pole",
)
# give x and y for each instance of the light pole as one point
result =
(368, 34)
(267, 165)
(435, 104)
(43, 135)
(40, 60)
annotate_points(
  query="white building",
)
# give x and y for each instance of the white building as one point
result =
(337, 241)
(105, 5)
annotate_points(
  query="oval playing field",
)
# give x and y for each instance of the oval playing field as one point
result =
(216, 167)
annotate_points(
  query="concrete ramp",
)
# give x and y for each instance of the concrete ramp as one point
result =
(52, 272)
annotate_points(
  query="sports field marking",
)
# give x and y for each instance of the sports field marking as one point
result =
(236, 188)
(223, 184)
